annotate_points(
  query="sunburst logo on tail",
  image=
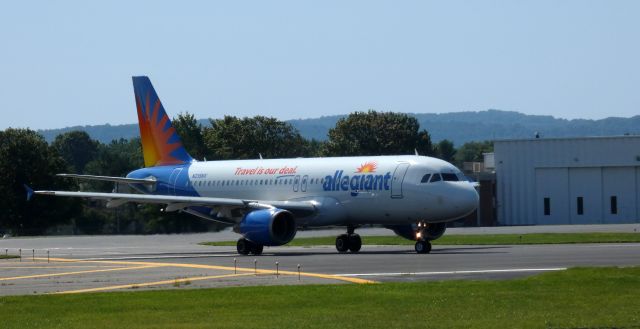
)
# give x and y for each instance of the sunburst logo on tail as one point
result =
(161, 144)
(367, 167)
(158, 140)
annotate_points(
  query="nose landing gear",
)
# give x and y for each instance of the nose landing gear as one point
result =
(422, 246)
(349, 241)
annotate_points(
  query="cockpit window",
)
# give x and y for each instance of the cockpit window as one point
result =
(435, 178)
(449, 177)
(425, 178)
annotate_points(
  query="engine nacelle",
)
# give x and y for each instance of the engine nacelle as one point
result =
(432, 232)
(269, 227)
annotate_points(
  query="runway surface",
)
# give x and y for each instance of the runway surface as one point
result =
(112, 263)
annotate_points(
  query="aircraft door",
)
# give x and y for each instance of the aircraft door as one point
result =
(397, 179)
(303, 184)
(296, 183)
(173, 179)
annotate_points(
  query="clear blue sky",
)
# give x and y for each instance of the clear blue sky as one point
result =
(66, 63)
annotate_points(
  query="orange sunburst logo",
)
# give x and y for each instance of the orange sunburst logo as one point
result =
(367, 167)
(155, 136)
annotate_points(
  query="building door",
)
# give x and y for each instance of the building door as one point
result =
(397, 179)
(552, 197)
(619, 195)
(585, 195)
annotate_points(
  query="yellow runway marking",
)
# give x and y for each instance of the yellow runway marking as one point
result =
(75, 273)
(223, 268)
(157, 283)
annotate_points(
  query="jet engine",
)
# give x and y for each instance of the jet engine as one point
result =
(268, 227)
(431, 232)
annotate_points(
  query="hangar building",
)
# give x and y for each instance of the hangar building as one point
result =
(592, 180)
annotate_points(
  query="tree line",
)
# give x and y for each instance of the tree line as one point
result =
(26, 158)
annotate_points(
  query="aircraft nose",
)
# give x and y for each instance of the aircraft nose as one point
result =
(468, 200)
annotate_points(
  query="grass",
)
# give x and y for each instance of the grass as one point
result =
(9, 256)
(473, 239)
(576, 298)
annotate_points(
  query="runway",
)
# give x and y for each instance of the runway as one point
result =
(116, 263)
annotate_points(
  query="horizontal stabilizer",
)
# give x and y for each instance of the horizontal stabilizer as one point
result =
(149, 181)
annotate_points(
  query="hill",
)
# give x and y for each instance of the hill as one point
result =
(459, 127)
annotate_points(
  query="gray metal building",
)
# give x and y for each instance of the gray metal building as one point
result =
(593, 180)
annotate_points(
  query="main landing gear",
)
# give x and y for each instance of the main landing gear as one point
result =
(349, 241)
(246, 247)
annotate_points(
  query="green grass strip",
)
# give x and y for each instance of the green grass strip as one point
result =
(9, 256)
(576, 298)
(473, 239)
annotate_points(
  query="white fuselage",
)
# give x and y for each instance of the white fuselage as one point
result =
(347, 190)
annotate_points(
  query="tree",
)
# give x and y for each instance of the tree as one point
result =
(190, 131)
(235, 138)
(377, 133)
(77, 148)
(424, 145)
(26, 158)
(445, 150)
(472, 151)
(115, 159)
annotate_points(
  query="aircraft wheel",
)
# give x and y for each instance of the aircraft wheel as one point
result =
(355, 242)
(257, 249)
(423, 247)
(342, 243)
(244, 246)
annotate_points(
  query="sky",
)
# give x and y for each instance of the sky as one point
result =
(66, 63)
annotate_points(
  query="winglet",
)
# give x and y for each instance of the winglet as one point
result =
(29, 191)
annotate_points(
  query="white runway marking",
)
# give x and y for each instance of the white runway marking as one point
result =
(513, 270)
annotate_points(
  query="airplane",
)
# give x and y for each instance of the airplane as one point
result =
(268, 200)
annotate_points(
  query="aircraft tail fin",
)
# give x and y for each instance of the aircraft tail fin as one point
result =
(29, 191)
(161, 145)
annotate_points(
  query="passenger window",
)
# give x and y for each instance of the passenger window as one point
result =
(425, 178)
(435, 178)
(449, 177)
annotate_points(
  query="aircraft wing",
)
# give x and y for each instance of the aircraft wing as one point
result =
(180, 202)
